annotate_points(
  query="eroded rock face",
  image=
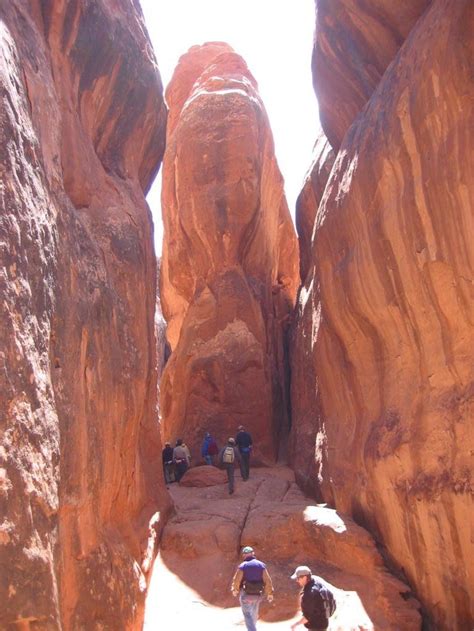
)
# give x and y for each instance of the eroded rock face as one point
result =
(354, 42)
(82, 134)
(230, 262)
(310, 197)
(387, 325)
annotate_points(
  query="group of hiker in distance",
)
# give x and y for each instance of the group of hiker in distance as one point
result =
(252, 582)
(177, 460)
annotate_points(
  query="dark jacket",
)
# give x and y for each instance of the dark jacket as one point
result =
(244, 441)
(312, 605)
(167, 454)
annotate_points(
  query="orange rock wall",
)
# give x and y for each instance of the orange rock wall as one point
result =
(82, 133)
(310, 197)
(385, 320)
(230, 262)
(354, 42)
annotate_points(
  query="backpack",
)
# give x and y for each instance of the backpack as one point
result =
(328, 600)
(253, 588)
(228, 455)
(212, 448)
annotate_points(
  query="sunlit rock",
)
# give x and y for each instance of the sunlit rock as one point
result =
(387, 315)
(354, 42)
(230, 260)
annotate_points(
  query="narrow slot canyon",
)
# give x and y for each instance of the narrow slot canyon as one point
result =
(342, 339)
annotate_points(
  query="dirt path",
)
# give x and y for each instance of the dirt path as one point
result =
(190, 585)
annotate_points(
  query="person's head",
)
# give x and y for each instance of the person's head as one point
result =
(179, 442)
(207, 435)
(231, 441)
(167, 444)
(301, 575)
(241, 428)
(247, 552)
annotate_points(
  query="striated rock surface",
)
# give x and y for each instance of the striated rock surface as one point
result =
(230, 261)
(386, 319)
(354, 42)
(310, 197)
(81, 135)
(201, 544)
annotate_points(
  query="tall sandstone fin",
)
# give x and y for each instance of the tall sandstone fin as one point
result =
(385, 321)
(82, 133)
(230, 258)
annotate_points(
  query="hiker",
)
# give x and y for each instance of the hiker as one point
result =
(317, 600)
(209, 448)
(251, 583)
(180, 459)
(244, 443)
(188, 453)
(167, 457)
(228, 455)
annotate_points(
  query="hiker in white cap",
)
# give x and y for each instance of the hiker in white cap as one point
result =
(317, 600)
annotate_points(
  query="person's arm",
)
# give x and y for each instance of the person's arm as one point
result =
(302, 620)
(268, 585)
(237, 454)
(236, 581)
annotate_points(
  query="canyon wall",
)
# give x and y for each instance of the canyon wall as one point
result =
(82, 135)
(230, 262)
(384, 324)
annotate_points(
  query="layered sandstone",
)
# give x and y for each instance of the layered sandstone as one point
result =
(230, 262)
(385, 325)
(310, 197)
(354, 42)
(82, 133)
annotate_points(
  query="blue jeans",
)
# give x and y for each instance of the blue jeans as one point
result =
(250, 606)
(208, 459)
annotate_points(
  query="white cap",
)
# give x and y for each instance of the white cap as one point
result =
(301, 570)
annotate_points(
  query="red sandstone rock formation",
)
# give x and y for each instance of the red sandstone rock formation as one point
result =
(82, 132)
(230, 262)
(200, 552)
(386, 317)
(354, 42)
(309, 199)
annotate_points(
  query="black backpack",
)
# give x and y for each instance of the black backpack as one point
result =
(328, 599)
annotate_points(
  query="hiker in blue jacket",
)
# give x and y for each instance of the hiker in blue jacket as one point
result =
(252, 583)
(208, 448)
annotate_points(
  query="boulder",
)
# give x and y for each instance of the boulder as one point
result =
(205, 475)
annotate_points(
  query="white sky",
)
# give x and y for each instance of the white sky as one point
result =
(275, 38)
